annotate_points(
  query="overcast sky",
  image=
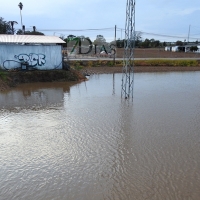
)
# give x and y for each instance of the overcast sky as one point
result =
(154, 17)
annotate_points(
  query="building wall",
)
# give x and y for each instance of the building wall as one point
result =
(42, 57)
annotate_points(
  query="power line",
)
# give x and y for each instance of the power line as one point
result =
(161, 35)
(110, 29)
(195, 34)
(171, 36)
(118, 29)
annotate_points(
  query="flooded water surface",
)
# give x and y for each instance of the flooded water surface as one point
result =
(81, 141)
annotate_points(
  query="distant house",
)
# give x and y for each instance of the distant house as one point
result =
(175, 48)
(168, 48)
(183, 48)
(31, 51)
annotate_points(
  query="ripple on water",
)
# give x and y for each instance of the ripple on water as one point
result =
(93, 145)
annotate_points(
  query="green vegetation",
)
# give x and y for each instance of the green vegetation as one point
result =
(166, 62)
(78, 65)
(194, 48)
(3, 75)
(20, 32)
(5, 27)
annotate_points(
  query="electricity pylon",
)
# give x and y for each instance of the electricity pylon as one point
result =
(129, 45)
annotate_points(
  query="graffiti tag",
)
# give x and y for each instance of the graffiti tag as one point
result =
(32, 59)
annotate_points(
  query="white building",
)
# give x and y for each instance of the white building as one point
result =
(175, 48)
(30, 51)
(167, 48)
(184, 48)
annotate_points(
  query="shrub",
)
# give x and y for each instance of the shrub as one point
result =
(90, 63)
(110, 63)
(3, 75)
(78, 67)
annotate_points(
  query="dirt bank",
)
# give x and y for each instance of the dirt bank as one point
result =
(3, 85)
(13, 78)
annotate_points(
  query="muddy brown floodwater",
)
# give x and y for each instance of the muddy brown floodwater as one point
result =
(81, 141)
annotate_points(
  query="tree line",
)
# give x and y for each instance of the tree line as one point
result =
(153, 43)
(7, 27)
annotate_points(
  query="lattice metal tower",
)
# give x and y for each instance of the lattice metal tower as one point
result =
(129, 45)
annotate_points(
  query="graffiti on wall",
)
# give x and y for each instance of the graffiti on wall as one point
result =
(32, 59)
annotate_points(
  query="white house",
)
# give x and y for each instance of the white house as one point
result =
(184, 48)
(167, 48)
(175, 48)
(31, 51)
(198, 51)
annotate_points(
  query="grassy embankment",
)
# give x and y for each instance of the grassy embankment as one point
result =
(79, 65)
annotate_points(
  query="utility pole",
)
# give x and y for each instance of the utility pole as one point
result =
(129, 45)
(115, 43)
(189, 34)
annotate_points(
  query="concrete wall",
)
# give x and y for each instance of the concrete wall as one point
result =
(42, 57)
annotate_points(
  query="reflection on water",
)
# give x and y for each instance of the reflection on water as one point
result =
(34, 95)
(84, 142)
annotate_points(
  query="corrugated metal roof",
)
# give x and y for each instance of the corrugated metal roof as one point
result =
(34, 39)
